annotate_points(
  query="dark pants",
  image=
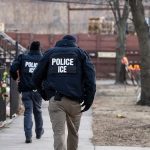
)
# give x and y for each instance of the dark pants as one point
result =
(123, 73)
(32, 102)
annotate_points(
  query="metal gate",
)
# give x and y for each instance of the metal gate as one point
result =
(14, 98)
(2, 100)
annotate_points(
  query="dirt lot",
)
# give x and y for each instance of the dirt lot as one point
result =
(117, 120)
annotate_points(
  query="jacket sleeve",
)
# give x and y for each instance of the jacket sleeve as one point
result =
(89, 78)
(40, 72)
(14, 68)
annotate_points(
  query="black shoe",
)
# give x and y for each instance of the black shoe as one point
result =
(38, 136)
(28, 141)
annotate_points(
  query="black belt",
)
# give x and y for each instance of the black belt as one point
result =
(58, 96)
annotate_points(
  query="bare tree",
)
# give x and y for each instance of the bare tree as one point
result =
(142, 30)
(121, 16)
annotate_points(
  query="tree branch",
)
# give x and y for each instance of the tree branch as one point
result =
(113, 10)
(117, 7)
(126, 10)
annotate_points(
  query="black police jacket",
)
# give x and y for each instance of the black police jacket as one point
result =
(22, 68)
(68, 70)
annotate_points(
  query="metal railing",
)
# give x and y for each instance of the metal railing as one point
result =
(9, 49)
(2, 100)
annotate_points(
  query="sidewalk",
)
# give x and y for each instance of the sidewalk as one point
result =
(12, 135)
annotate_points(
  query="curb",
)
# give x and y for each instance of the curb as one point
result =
(7, 122)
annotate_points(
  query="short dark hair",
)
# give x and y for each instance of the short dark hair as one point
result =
(35, 45)
(70, 38)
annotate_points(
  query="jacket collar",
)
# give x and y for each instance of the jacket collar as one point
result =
(34, 52)
(65, 43)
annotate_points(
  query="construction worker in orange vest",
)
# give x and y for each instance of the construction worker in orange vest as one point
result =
(123, 69)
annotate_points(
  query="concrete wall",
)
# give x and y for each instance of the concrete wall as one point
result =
(32, 16)
(41, 17)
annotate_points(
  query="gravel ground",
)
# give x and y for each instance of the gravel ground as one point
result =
(117, 120)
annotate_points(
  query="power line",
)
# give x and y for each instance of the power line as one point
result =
(91, 2)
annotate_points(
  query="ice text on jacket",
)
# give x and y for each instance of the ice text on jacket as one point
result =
(31, 66)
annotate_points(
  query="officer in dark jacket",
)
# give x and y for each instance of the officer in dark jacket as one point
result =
(21, 70)
(66, 76)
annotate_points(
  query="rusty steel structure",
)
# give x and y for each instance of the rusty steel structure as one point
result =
(101, 48)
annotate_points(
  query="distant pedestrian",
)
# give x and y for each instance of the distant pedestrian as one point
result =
(21, 70)
(124, 69)
(66, 76)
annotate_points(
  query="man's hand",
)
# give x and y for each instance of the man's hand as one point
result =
(14, 75)
(43, 95)
(85, 106)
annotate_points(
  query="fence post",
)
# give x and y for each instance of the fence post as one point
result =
(2, 100)
(14, 98)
